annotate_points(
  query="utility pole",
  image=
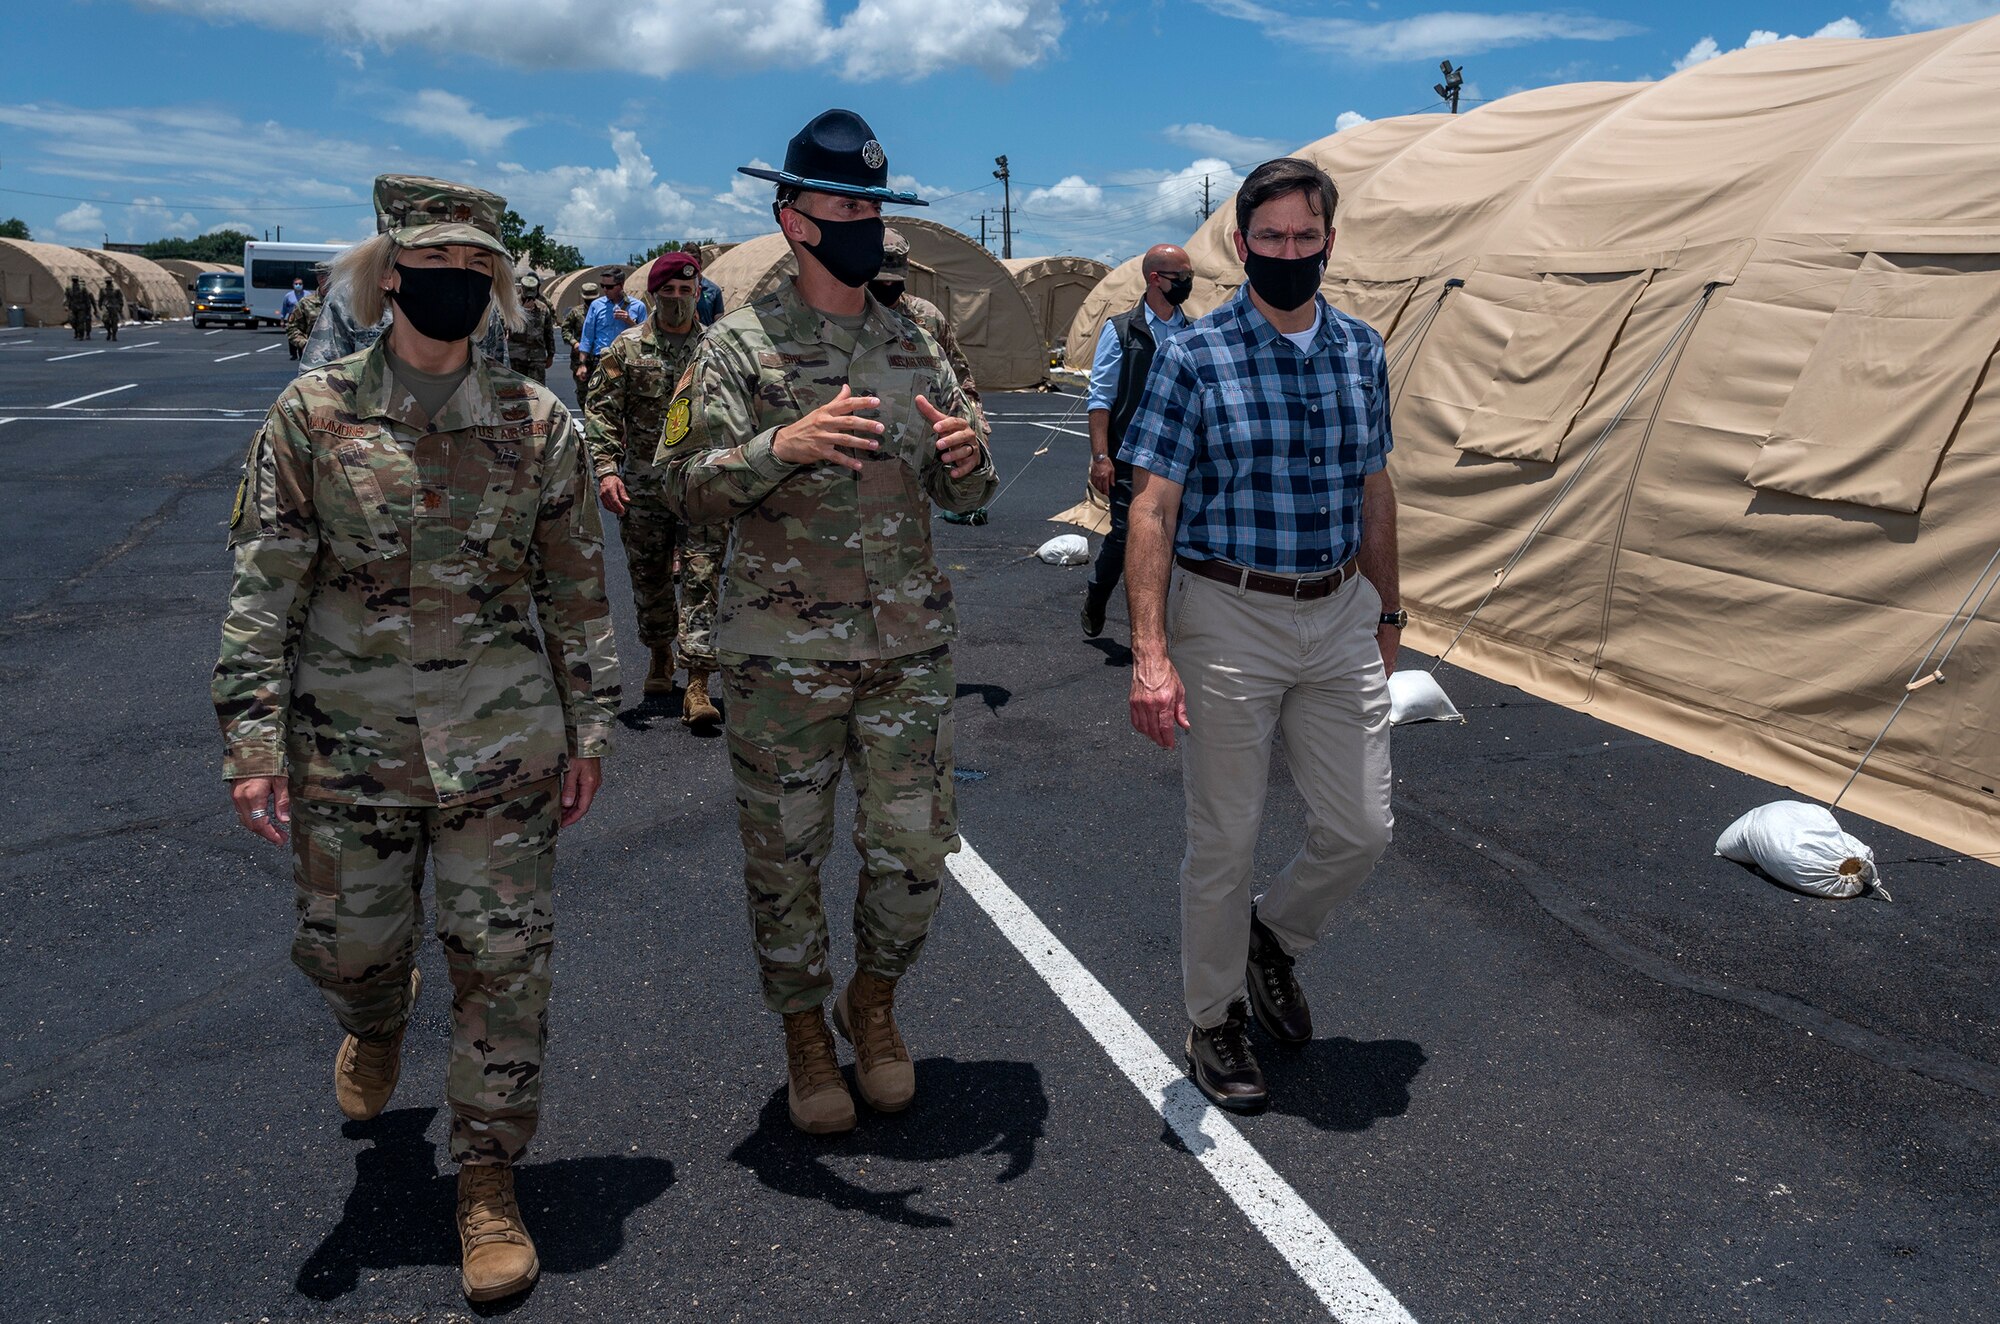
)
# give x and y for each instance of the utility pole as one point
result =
(1007, 206)
(982, 229)
(281, 234)
(1207, 207)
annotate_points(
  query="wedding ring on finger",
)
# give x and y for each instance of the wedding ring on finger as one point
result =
(259, 813)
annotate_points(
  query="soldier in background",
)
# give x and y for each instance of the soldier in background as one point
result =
(110, 307)
(572, 325)
(305, 314)
(891, 288)
(82, 308)
(623, 420)
(417, 661)
(337, 334)
(531, 349)
(825, 425)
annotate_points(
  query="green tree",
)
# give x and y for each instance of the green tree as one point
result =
(14, 228)
(667, 246)
(215, 246)
(540, 250)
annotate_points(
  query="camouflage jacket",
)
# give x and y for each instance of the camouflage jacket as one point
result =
(337, 334)
(627, 406)
(79, 302)
(299, 326)
(111, 302)
(418, 613)
(823, 562)
(572, 326)
(534, 344)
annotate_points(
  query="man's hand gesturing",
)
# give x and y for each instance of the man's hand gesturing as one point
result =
(830, 432)
(957, 442)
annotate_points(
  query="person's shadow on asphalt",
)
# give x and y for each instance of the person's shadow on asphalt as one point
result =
(962, 1109)
(401, 1211)
(1342, 1084)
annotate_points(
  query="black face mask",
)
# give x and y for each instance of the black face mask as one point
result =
(851, 251)
(1175, 289)
(1285, 282)
(886, 292)
(444, 303)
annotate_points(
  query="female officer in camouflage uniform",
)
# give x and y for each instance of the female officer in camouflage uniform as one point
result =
(417, 663)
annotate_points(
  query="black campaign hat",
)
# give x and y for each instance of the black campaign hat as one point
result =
(837, 153)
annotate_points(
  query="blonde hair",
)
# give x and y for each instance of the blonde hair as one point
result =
(355, 278)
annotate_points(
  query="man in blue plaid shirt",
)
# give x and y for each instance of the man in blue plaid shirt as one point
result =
(1260, 492)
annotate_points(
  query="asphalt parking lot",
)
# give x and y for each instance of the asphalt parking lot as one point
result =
(1571, 1066)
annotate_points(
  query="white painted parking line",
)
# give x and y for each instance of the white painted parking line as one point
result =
(268, 348)
(94, 394)
(218, 331)
(86, 416)
(226, 357)
(1342, 1282)
(80, 354)
(144, 344)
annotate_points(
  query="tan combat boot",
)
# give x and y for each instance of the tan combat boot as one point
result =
(697, 708)
(365, 1071)
(817, 1095)
(864, 1013)
(660, 679)
(496, 1255)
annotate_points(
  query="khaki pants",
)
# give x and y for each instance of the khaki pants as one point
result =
(1255, 664)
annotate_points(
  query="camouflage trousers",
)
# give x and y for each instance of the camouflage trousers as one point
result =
(667, 611)
(793, 724)
(529, 368)
(360, 873)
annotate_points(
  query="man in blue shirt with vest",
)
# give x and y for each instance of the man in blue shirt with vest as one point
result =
(1259, 447)
(1125, 349)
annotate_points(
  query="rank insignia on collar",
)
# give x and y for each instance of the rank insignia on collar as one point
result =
(680, 416)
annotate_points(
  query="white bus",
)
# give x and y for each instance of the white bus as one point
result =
(269, 270)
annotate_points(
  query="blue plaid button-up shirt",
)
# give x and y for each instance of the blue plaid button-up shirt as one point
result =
(1268, 445)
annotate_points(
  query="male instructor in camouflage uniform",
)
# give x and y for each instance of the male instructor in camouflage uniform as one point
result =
(624, 413)
(825, 425)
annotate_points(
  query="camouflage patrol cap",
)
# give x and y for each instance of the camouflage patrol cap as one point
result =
(420, 212)
(589, 287)
(531, 281)
(895, 256)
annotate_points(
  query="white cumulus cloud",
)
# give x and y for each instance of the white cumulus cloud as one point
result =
(82, 219)
(452, 116)
(1422, 36)
(876, 40)
(1350, 119)
(1708, 48)
(1209, 140)
(1921, 15)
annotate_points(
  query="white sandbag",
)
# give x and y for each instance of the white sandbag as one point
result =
(1801, 846)
(1415, 696)
(1065, 549)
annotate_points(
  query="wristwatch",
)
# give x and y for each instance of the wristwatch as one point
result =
(1398, 618)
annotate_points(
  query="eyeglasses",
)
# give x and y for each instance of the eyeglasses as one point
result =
(1275, 243)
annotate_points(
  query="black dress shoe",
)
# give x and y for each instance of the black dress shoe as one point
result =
(1275, 995)
(1222, 1066)
(1093, 618)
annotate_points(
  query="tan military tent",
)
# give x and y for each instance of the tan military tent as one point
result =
(35, 276)
(1055, 287)
(990, 316)
(1771, 284)
(144, 282)
(1122, 289)
(185, 270)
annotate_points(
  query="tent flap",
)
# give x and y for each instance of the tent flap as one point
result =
(1551, 364)
(1378, 303)
(1884, 391)
(971, 315)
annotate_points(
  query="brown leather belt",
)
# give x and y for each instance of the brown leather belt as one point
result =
(1284, 586)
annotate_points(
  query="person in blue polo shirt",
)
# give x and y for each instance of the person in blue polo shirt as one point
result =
(1258, 449)
(611, 315)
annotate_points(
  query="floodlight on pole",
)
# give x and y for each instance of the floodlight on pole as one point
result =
(1448, 90)
(1006, 206)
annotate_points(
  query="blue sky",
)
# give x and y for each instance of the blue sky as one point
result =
(616, 123)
